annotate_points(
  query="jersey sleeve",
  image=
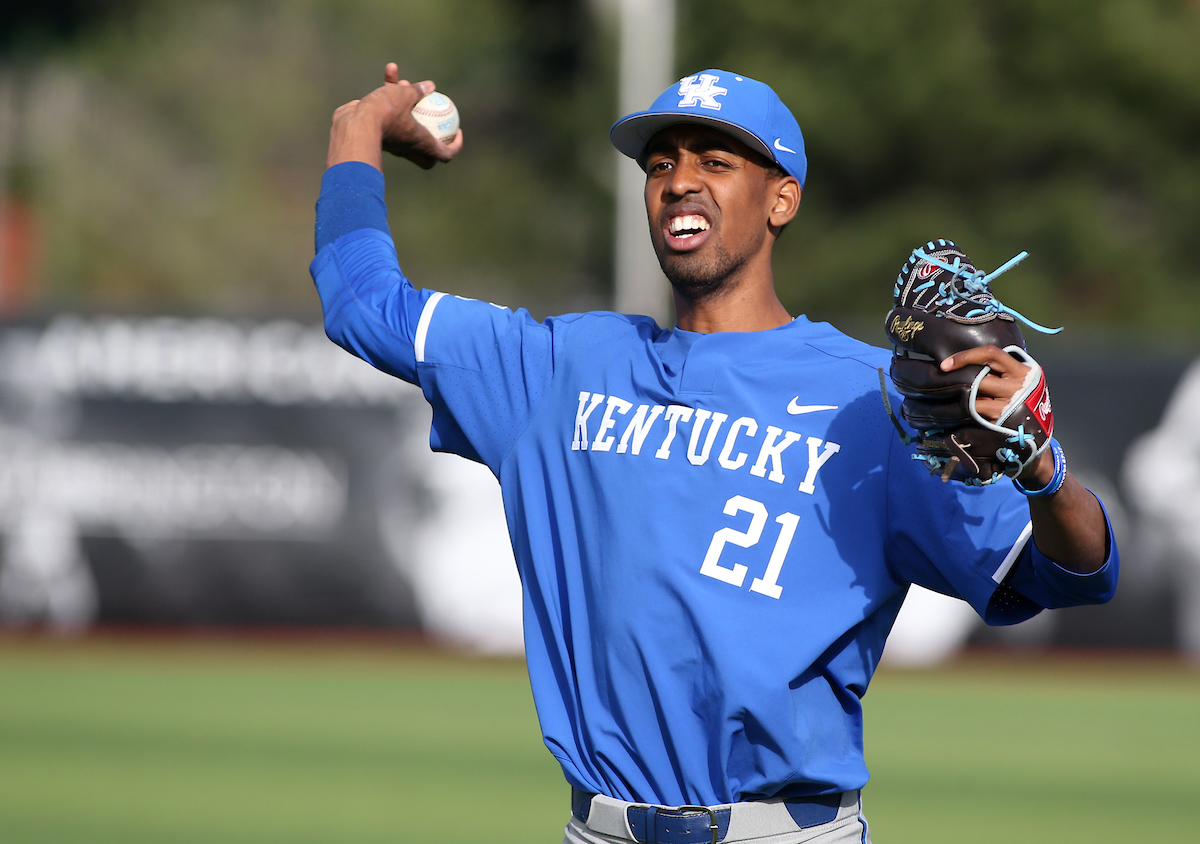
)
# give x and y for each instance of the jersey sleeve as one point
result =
(483, 368)
(976, 543)
(1038, 579)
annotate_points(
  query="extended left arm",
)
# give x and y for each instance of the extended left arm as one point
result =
(1069, 526)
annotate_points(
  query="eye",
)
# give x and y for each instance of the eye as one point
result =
(660, 166)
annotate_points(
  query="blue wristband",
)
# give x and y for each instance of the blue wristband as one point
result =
(1056, 482)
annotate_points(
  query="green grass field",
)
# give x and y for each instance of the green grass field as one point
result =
(141, 740)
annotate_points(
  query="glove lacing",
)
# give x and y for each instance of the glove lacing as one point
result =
(975, 284)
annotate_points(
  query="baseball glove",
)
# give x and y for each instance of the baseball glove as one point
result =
(943, 305)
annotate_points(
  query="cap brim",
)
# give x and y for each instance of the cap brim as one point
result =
(631, 134)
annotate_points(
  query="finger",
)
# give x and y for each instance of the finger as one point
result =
(448, 151)
(425, 88)
(990, 409)
(998, 387)
(428, 145)
(413, 154)
(980, 355)
(391, 73)
(430, 152)
(990, 355)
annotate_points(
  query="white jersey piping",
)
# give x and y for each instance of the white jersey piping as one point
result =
(423, 326)
(1013, 552)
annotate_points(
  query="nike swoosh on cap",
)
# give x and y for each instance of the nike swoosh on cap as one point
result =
(797, 409)
(782, 148)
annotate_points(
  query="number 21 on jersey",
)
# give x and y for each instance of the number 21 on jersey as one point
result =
(736, 574)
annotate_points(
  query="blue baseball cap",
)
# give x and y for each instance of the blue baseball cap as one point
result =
(737, 105)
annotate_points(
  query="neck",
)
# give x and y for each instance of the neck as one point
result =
(750, 305)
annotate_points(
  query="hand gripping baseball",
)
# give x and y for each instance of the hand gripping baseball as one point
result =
(976, 398)
(383, 120)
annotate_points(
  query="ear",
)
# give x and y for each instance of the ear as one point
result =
(786, 202)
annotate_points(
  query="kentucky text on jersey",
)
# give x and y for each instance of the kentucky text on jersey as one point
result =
(775, 441)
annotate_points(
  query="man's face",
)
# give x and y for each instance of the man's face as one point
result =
(708, 200)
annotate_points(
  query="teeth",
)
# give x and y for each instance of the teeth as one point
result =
(690, 223)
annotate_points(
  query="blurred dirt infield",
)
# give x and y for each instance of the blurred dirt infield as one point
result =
(298, 737)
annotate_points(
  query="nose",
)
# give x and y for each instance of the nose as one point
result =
(685, 177)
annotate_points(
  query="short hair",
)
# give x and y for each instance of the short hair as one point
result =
(774, 171)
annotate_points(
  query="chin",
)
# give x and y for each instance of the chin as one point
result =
(699, 276)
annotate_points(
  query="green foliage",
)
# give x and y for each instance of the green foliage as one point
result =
(178, 154)
(1065, 127)
(177, 150)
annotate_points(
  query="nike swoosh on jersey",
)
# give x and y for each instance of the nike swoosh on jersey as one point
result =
(797, 409)
(782, 148)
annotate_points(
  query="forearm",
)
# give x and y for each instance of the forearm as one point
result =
(1069, 526)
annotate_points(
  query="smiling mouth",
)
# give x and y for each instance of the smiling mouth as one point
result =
(687, 225)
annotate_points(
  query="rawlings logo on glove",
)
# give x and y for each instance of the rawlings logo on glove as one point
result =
(943, 305)
(905, 328)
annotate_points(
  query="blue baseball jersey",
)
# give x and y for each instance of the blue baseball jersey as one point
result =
(714, 532)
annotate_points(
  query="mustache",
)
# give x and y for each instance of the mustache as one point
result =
(684, 207)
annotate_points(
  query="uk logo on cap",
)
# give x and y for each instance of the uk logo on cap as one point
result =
(749, 111)
(701, 90)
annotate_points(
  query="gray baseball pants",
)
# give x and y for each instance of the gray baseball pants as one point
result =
(760, 822)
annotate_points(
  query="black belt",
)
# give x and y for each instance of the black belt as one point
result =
(700, 824)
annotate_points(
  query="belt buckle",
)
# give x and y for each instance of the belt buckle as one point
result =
(712, 818)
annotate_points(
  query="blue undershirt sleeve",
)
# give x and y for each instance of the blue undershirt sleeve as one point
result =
(351, 199)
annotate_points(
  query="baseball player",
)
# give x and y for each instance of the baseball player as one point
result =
(715, 524)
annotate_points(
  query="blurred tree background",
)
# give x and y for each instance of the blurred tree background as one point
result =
(170, 150)
(1070, 128)
(173, 149)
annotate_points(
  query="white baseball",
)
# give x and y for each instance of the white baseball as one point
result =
(437, 113)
